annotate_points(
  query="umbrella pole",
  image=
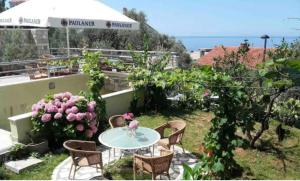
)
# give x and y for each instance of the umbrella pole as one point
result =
(68, 41)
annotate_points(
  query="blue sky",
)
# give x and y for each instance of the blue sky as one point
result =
(218, 17)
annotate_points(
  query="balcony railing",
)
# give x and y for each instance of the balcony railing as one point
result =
(20, 67)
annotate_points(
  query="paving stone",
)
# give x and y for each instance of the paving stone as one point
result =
(89, 173)
(20, 165)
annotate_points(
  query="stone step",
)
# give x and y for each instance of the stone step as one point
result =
(5, 141)
(20, 165)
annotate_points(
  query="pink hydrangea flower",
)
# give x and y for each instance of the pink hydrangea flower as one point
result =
(80, 127)
(94, 115)
(58, 96)
(70, 103)
(128, 116)
(58, 115)
(60, 110)
(133, 124)
(67, 95)
(90, 108)
(71, 117)
(93, 103)
(93, 123)
(89, 116)
(68, 111)
(36, 107)
(74, 110)
(94, 129)
(57, 104)
(51, 108)
(89, 133)
(46, 118)
(80, 116)
(63, 106)
(34, 114)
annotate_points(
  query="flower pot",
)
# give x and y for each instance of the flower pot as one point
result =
(41, 147)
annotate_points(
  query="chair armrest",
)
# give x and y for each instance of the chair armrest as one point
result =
(164, 152)
(161, 129)
(174, 137)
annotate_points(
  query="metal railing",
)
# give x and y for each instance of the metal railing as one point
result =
(17, 67)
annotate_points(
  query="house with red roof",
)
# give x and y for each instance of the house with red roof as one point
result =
(253, 57)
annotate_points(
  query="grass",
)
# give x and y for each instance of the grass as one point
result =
(273, 160)
(42, 171)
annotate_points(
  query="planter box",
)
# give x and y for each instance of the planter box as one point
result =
(38, 147)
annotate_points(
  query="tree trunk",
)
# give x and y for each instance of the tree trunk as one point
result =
(265, 120)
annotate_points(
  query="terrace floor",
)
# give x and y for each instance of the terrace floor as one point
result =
(61, 172)
(273, 160)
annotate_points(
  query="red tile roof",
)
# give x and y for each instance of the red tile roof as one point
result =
(254, 56)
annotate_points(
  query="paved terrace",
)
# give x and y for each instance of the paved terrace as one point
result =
(61, 172)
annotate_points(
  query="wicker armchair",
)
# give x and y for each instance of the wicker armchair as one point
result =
(178, 128)
(83, 154)
(154, 165)
(35, 73)
(117, 121)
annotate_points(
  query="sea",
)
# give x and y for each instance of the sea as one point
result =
(193, 43)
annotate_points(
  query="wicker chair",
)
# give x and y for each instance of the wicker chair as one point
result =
(34, 73)
(154, 165)
(117, 121)
(178, 128)
(83, 154)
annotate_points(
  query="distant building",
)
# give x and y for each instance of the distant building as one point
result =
(13, 3)
(254, 56)
(195, 55)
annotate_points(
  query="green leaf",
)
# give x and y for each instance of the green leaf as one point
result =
(218, 167)
(188, 172)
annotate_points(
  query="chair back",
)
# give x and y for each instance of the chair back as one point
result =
(117, 121)
(178, 128)
(157, 164)
(78, 148)
(162, 164)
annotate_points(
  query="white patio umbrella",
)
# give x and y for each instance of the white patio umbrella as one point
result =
(66, 14)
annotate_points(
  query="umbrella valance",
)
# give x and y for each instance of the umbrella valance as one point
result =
(66, 13)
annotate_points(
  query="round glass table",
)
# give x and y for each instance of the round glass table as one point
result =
(120, 138)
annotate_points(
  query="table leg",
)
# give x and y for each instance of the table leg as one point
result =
(109, 155)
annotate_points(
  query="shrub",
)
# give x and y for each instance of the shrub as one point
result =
(18, 151)
(64, 116)
(3, 174)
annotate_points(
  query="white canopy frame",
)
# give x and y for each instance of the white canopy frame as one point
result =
(85, 14)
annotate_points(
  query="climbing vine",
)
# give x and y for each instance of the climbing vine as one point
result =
(91, 67)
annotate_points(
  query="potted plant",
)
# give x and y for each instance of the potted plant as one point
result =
(38, 143)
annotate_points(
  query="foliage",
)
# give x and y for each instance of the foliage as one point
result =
(70, 62)
(187, 85)
(288, 112)
(245, 96)
(2, 5)
(17, 44)
(95, 84)
(63, 116)
(3, 174)
(118, 65)
(18, 151)
(120, 39)
(148, 76)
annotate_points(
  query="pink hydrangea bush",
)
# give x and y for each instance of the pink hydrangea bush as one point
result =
(65, 116)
